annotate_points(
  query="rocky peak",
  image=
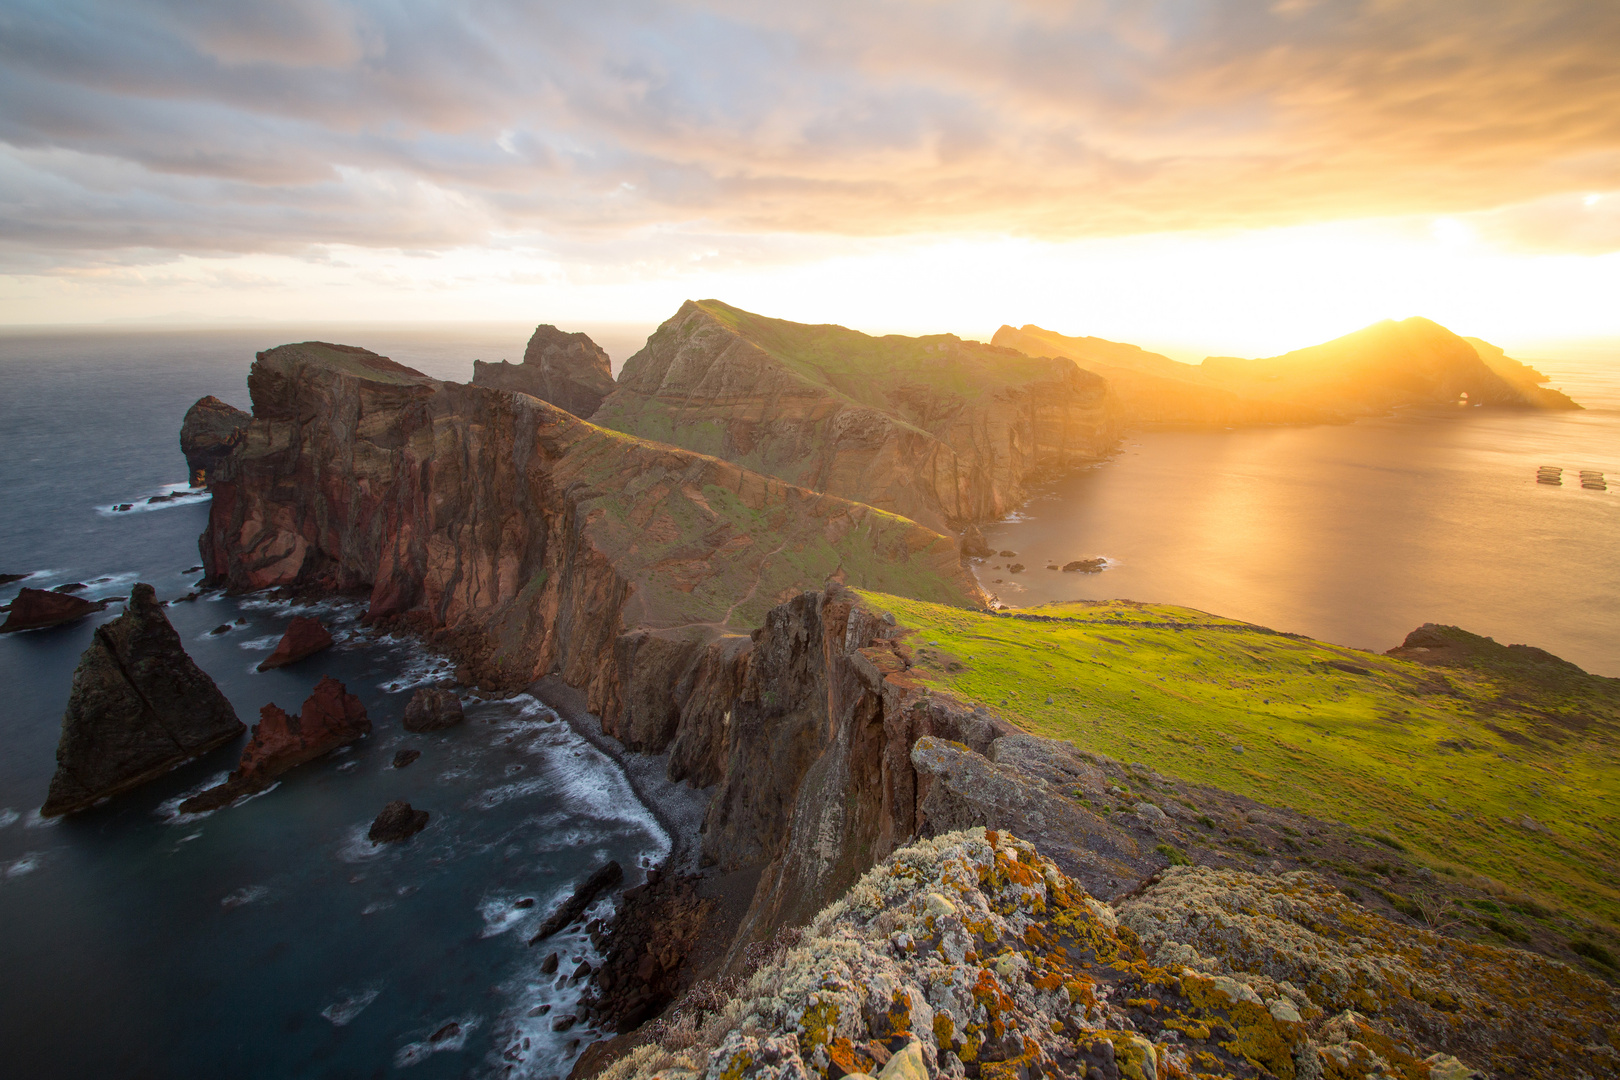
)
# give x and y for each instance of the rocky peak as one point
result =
(568, 370)
(139, 706)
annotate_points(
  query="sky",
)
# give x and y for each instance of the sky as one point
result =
(1190, 175)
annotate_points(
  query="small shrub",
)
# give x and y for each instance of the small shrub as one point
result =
(1206, 821)
(1488, 906)
(1593, 952)
(1176, 856)
(1350, 892)
(1388, 841)
(1506, 929)
(1528, 907)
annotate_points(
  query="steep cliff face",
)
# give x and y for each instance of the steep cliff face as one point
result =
(940, 430)
(569, 370)
(526, 539)
(208, 434)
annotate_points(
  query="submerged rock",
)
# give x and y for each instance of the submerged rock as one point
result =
(305, 636)
(210, 431)
(973, 545)
(139, 707)
(433, 709)
(330, 718)
(397, 822)
(569, 370)
(405, 757)
(1085, 566)
(35, 609)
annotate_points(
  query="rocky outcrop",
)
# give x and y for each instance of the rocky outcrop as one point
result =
(305, 636)
(941, 430)
(525, 540)
(604, 877)
(433, 709)
(35, 609)
(972, 955)
(210, 431)
(568, 370)
(397, 822)
(330, 718)
(139, 706)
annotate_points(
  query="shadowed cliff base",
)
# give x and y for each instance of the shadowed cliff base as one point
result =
(941, 430)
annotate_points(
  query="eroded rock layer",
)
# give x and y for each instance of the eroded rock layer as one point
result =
(941, 430)
(210, 431)
(139, 706)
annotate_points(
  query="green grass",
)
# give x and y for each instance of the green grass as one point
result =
(1443, 763)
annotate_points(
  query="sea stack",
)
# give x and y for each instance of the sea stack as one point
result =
(305, 636)
(139, 707)
(330, 718)
(210, 431)
(569, 370)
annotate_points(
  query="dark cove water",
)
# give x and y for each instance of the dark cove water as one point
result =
(1354, 533)
(270, 939)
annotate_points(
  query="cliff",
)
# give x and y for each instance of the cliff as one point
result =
(139, 706)
(527, 540)
(940, 430)
(570, 371)
(1388, 364)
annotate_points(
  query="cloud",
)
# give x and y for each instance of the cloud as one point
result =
(193, 127)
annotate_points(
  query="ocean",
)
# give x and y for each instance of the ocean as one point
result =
(271, 939)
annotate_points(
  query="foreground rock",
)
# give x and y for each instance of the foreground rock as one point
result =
(970, 955)
(604, 878)
(35, 609)
(210, 431)
(433, 709)
(139, 706)
(331, 717)
(397, 822)
(568, 370)
(305, 636)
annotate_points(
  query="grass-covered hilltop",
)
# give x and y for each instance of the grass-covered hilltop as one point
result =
(1503, 763)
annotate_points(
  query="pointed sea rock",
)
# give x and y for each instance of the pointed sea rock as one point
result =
(35, 609)
(139, 707)
(305, 636)
(569, 370)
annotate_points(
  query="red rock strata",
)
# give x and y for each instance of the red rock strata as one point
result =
(35, 609)
(305, 636)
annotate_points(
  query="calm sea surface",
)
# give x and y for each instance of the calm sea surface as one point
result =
(1354, 533)
(269, 939)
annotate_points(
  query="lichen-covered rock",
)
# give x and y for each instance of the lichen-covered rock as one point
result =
(208, 434)
(1391, 986)
(568, 370)
(970, 955)
(139, 707)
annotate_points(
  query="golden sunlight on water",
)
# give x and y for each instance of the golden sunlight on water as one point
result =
(1354, 533)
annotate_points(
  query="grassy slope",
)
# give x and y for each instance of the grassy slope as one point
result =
(1436, 758)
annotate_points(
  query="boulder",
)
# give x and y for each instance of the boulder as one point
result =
(1085, 566)
(34, 609)
(330, 718)
(139, 706)
(973, 545)
(305, 636)
(7, 579)
(433, 709)
(405, 757)
(397, 822)
(575, 905)
(210, 431)
(569, 370)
